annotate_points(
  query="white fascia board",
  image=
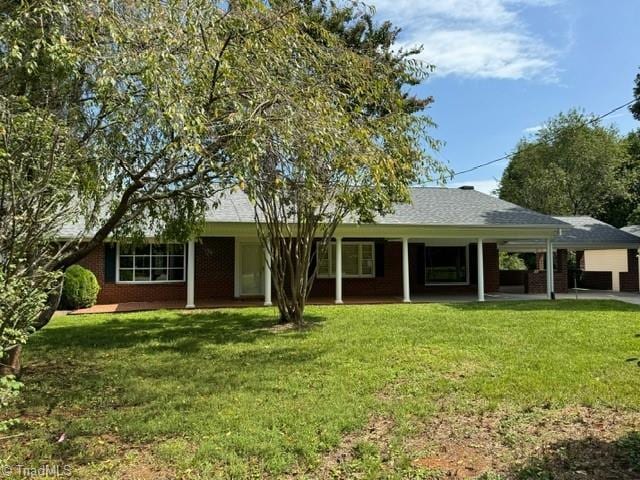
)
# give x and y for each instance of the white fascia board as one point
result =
(509, 232)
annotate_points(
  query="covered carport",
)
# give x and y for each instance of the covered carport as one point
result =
(606, 258)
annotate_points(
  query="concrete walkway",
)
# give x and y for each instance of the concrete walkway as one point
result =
(633, 298)
(627, 297)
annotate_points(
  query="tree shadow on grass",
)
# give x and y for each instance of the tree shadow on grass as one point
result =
(181, 332)
(589, 458)
(205, 352)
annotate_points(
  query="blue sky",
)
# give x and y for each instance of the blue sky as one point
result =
(503, 67)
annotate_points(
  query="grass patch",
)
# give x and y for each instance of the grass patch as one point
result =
(223, 393)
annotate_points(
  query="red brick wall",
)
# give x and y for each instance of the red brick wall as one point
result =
(629, 280)
(215, 273)
(512, 277)
(595, 280)
(536, 281)
(215, 270)
(491, 267)
(119, 293)
(491, 272)
(389, 284)
(561, 275)
(214, 276)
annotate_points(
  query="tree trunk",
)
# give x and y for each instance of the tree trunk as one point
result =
(53, 301)
(11, 362)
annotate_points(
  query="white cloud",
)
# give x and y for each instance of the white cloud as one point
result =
(484, 186)
(532, 130)
(473, 38)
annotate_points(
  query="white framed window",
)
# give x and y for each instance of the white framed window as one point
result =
(446, 265)
(150, 263)
(358, 260)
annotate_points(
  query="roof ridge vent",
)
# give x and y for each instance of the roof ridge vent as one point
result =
(467, 187)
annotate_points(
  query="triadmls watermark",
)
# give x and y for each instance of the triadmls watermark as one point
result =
(26, 471)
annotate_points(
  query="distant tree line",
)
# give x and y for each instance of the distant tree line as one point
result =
(575, 165)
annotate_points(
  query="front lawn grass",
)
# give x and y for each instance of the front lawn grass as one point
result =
(229, 393)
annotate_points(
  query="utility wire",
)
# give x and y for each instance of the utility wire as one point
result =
(510, 155)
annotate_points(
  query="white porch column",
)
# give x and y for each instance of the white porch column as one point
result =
(191, 274)
(338, 269)
(406, 288)
(480, 271)
(267, 278)
(550, 294)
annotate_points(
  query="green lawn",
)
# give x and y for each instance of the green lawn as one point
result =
(395, 391)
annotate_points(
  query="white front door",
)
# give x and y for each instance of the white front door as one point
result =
(251, 269)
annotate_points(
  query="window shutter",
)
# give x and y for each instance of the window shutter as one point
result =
(420, 264)
(379, 253)
(109, 262)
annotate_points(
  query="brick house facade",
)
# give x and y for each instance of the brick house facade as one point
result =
(442, 242)
(215, 271)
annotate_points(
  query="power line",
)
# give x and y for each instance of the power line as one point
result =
(510, 155)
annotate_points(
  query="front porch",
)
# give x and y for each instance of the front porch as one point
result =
(361, 269)
(501, 296)
(371, 265)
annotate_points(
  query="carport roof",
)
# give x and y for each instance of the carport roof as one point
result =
(632, 229)
(584, 233)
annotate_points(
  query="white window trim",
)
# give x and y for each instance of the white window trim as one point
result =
(331, 246)
(151, 282)
(439, 284)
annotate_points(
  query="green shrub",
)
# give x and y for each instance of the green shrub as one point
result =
(80, 288)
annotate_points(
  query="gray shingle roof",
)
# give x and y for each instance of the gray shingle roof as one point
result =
(429, 206)
(589, 231)
(632, 229)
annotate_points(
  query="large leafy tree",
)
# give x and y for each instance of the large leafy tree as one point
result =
(569, 168)
(352, 150)
(624, 208)
(635, 107)
(136, 105)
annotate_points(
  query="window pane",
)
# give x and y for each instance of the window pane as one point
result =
(126, 262)
(323, 260)
(175, 249)
(126, 275)
(176, 274)
(143, 262)
(159, 249)
(126, 249)
(446, 264)
(159, 262)
(142, 275)
(367, 259)
(350, 261)
(159, 275)
(176, 262)
(143, 250)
